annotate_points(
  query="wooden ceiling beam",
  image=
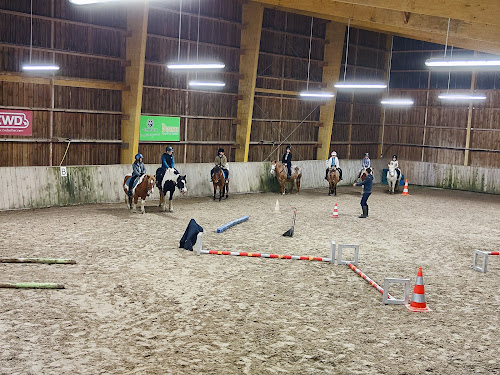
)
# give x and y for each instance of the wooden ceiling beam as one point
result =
(478, 11)
(474, 36)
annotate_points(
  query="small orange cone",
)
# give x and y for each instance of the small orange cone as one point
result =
(335, 212)
(418, 297)
(405, 190)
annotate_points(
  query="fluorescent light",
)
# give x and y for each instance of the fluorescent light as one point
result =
(360, 85)
(464, 63)
(36, 67)
(196, 65)
(397, 102)
(86, 2)
(317, 94)
(207, 83)
(461, 97)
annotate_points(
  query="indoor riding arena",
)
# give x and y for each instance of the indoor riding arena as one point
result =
(225, 103)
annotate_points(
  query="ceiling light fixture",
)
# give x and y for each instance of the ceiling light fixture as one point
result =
(449, 96)
(36, 67)
(313, 94)
(396, 102)
(463, 63)
(207, 83)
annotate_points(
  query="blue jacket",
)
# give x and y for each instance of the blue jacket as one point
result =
(287, 158)
(367, 183)
(167, 161)
(138, 169)
(365, 162)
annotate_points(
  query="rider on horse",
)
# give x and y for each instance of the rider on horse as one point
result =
(287, 160)
(138, 169)
(333, 162)
(395, 163)
(365, 163)
(221, 162)
(167, 161)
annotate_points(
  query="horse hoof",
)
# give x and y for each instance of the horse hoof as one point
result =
(171, 210)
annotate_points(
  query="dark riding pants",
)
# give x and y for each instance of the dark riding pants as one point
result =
(131, 184)
(364, 199)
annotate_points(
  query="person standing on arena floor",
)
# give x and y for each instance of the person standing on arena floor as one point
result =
(287, 160)
(367, 190)
(333, 162)
(138, 169)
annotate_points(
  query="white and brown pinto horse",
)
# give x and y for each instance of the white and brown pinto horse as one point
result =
(279, 171)
(143, 188)
(166, 183)
(392, 179)
(333, 180)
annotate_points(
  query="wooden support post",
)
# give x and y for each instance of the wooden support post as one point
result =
(335, 33)
(469, 120)
(137, 24)
(250, 41)
(37, 260)
(32, 286)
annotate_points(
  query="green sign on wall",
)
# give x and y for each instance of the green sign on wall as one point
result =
(160, 129)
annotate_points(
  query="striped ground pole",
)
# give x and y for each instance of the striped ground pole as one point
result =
(493, 253)
(261, 255)
(368, 280)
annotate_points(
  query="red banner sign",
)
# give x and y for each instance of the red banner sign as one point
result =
(16, 122)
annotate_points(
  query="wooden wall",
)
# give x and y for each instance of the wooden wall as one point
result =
(208, 117)
(87, 44)
(434, 130)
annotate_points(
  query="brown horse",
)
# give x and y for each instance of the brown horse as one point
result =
(333, 180)
(279, 171)
(143, 189)
(219, 181)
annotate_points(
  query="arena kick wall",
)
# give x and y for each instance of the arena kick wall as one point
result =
(36, 187)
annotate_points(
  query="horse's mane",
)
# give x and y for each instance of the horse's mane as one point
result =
(171, 174)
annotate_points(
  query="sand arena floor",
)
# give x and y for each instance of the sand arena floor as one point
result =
(136, 304)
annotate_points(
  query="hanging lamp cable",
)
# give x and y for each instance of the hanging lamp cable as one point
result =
(31, 29)
(447, 35)
(180, 29)
(347, 46)
(310, 48)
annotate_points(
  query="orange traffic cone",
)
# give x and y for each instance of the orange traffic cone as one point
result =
(418, 297)
(335, 212)
(405, 190)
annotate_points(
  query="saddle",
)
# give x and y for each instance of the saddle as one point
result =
(137, 181)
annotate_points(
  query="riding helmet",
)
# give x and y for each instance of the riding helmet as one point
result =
(288, 147)
(220, 150)
(394, 156)
(334, 153)
(169, 149)
(367, 154)
(139, 156)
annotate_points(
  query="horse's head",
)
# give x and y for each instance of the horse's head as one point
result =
(150, 181)
(181, 184)
(392, 170)
(273, 168)
(218, 175)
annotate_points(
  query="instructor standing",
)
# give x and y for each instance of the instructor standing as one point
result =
(367, 191)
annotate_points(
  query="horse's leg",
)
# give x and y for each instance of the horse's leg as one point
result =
(227, 189)
(282, 187)
(142, 206)
(298, 184)
(162, 197)
(170, 205)
(221, 192)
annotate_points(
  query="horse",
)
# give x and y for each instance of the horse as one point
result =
(167, 181)
(279, 171)
(143, 188)
(333, 180)
(392, 179)
(219, 181)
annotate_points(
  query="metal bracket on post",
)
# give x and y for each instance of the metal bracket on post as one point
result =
(393, 301)
(475, 267)
(356, 254)
(332, 252)
(199, 243)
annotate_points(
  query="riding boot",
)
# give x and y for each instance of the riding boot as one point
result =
(365, 212)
